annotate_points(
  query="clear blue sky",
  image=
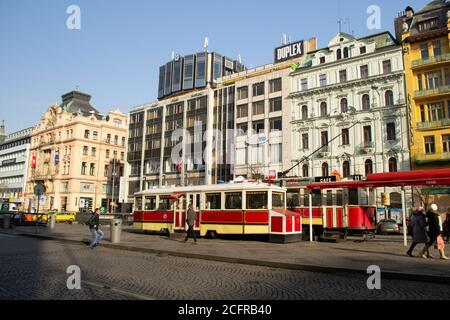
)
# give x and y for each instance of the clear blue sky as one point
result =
(116, 54)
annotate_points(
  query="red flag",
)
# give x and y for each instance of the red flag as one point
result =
(33, 162)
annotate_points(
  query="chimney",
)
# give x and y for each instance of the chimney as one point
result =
(2, 131)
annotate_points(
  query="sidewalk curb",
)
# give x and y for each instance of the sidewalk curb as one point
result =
(270, 264)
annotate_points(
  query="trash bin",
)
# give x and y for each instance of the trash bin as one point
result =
(116, 230)
(6, 221)
(52, 221)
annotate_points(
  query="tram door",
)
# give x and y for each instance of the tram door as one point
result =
(180, 216)
(195, 200)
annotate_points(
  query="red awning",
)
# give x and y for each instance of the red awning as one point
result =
(394, 179)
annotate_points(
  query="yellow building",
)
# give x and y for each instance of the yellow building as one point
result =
(425, 37)
(73, 152)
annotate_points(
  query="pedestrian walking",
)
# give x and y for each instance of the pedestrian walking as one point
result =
(435, 231)
(190, 220)
(447, 226)
(417, 226)
(94, 227)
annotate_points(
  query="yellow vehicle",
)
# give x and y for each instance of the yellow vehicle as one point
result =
(68, 217)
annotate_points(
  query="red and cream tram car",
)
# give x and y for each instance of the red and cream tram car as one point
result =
(333, 213)
(224, 209)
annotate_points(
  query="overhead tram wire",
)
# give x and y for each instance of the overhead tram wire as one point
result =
(286, 172)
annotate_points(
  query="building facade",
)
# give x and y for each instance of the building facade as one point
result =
(189, 136)
(14, 154)
(425, 36)
(77, 153)
(349, 116)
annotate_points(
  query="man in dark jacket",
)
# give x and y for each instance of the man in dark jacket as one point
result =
(94, 223)
(434, 224)
(190, 220)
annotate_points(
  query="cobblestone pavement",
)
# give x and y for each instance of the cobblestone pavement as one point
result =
(36, 269)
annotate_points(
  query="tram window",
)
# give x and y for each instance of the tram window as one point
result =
(277, 200)
(213, 201)
(293, 198)
(233, 201)
(329, 198)
(166, 204)
(197, 202)
(317, 198)
(150, 203)
(256, 200)
(139, 203)
(353, 197)
(339, 200)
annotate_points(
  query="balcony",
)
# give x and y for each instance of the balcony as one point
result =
(431, 60)
(367, 147)
(325, 152)
(432, 92)
(433, 124)
(432, 157)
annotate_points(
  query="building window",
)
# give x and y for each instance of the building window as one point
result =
(437, 48)
(325, 170)
(362, 50)
(258, 127)
(324, 138)
(258, 108)
(433, 80)
(419, 82)
(305, 171)
(305, 141)
(345, 137)
(258, 89)
(346, 53)
(242, 111)
(323, 109)
(304, 112)
(365, 102)
(86, 134)
(83, 168)
(106, 172)
(276, 155)
(323, 80)
(344, 105)
(117, 123)
(389, 98)
(428, 25)
(422, 113)
(123, 141)
(338, 54)
(242, 93)
(343, 76)
(387, 68)
(364, 71)
(242, 129)
(276, 125)
(436, 111)
(446, 142)
(116, 140)
(430, 146)
(108, 138)
(367, 135)
(92, 169)
(304, 84)
(447, 76)
(275, 104)
(275, 85)
(95, 135)
(122, 156)
(390, 130)
(322, 60)
(94, 152)
(107, 153)
(424, 51)
(346, 169)
(392, 165)
(368, 166)
(85, 150)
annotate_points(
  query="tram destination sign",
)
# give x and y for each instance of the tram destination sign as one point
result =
(289, 51)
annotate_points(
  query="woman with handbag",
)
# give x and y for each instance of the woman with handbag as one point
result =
(434, 223)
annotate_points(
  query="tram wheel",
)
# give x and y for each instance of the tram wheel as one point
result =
(211, 235)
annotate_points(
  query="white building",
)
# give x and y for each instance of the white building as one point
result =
(352, 90)
(14, 153)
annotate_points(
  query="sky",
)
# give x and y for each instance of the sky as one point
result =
(116, 53)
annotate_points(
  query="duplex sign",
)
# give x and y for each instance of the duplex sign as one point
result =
(289, 51)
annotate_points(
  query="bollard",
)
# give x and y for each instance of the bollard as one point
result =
(116, 230)
(6, 221)
(52, 221)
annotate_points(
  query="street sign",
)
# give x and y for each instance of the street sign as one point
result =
(102, 210)
(39, 189)
(5, 206)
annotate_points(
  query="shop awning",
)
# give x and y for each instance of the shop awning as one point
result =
(393, 179)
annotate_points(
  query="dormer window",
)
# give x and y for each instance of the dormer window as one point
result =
(322, 60)
(346, 53)
(338, 54)
(428, 25)
(362, 50)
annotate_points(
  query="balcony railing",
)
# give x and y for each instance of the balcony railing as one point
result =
(432, 92)
(431, 60)
(433, 124)
(367, 147)
(432, 157)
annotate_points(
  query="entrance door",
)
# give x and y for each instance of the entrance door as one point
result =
(180, 217)
(195, 200)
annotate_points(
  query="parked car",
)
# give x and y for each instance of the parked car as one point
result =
(67, 217)
(388, 227)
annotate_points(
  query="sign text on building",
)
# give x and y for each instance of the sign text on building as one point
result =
(289, 51)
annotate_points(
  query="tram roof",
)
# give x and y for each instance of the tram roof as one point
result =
(212, 188)
(393, 179)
